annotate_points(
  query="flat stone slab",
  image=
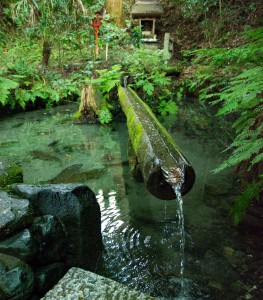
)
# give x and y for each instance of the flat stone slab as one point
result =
(79, 284)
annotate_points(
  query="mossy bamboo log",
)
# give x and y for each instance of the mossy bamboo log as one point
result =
(160, 160)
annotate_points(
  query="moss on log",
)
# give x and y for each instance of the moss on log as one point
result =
(160, 160)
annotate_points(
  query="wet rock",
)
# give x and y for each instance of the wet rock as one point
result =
(51, 237)
(9, 174)
(15, 214)
(22, 245)
(16, 278)
(234, 257)
(46, 277)
(213, 267)
(76, 206)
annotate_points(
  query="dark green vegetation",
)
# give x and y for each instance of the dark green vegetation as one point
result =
(48, 56)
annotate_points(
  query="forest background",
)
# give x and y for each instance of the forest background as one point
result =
(48, 56)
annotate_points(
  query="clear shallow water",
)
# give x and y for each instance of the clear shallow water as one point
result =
(141, 234)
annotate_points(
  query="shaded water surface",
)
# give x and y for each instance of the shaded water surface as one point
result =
(145, 246)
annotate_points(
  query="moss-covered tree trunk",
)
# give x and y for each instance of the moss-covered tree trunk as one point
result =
(159, 159)
(114, 8)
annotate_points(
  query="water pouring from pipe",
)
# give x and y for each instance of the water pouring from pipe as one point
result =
(153, 153)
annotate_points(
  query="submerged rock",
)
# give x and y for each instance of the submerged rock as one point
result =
(76, 206)
(16, 278)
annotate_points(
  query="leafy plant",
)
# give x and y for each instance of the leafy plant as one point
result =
(105, 116)
(136, 36)
(240, 94)
(108, 79)
(167, 108)
(249, 193)
(48, 19)
(106, 84)
(6, 86)
(148, 71)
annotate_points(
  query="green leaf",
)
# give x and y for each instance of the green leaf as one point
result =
(167, 108)
(148, 88)
(6, 85)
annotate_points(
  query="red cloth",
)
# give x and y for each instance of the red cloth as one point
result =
(96, 21)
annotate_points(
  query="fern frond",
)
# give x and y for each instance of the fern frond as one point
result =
(257, 159)
(6, 85)
(250, 193)
(246, 120)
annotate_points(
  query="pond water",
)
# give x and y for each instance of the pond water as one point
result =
(141, 234)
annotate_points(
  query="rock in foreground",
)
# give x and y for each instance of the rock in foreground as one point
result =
(81, 284)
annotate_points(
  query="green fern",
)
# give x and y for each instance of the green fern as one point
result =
(237, 85)
(6, 86)
(169, 107)
(250, 193)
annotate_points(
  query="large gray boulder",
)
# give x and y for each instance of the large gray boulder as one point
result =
(16, 278)
(76, 206)
(15, 214)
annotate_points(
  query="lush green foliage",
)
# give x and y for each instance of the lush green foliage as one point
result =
(107, 81)
(136, 36)
(54, 22)
(45, 22)
(233, 78)
(22, 83)
(211, 22)
(148, 71)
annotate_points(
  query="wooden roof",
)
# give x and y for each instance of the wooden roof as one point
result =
(146, 8)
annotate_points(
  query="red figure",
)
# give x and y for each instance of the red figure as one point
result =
(96, 23)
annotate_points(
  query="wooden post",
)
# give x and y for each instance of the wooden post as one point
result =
(159, 159)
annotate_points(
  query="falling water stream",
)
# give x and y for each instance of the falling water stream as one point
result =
(180, 215)
(170, 250)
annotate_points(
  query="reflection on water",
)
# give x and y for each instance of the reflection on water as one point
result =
(150, 244)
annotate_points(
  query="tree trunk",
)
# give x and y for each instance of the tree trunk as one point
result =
(89, 106)
(160, 161)
(114, 8)
(46, 52)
